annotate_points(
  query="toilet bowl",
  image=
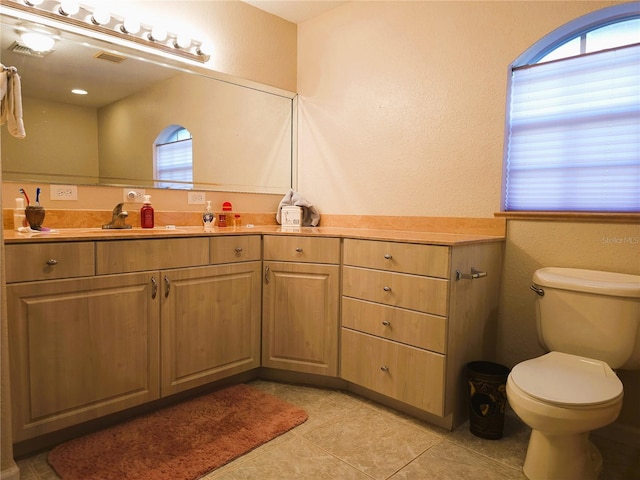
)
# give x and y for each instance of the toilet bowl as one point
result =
(589, 322)
(563, 397)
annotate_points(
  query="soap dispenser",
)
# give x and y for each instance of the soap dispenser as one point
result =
(208, 218)
(146, 213)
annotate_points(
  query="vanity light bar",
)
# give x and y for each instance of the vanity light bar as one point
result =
(101, 21)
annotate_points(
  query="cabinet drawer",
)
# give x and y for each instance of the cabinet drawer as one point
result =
(424, 294)
(48, 261)
(301, 249)
(240, 248)
(139, 255)
(408, 374)
(406, 326)
(430, 260)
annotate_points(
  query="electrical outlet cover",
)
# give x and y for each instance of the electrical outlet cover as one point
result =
(196, 198)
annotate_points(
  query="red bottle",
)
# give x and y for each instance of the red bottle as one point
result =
(146, 213)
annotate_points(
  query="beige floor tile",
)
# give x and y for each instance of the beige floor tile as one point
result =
(348, 437)
(372, 441)
(511, 449)
(620, 461)
(448, 461)
(295, 459)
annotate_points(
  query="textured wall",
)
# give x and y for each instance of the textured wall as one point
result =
(402, 112)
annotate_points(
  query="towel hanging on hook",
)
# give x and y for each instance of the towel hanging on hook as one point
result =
(11, 101)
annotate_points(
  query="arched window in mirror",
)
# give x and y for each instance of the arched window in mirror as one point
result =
(173, 158)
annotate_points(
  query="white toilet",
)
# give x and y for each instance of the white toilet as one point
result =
(589, 321)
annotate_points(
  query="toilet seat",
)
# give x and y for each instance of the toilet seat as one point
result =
(567, 380)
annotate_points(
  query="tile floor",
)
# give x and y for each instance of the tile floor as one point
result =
(347, 437)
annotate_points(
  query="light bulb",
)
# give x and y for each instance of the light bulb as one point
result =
(157, 34)
(130, 25)
(33, 3)
(182, 41)
(100, 16)
(204, 49)
(68, 7)
(38, 42)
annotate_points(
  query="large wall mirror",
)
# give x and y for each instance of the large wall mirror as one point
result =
(243, 133)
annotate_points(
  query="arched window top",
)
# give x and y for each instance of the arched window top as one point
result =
(173, 158)
(572, 138)
(610, 27)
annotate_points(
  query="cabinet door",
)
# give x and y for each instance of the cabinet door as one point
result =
(210, 324)
(80, 349)
(300, 317)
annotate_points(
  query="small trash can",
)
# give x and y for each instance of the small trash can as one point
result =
(487, 398)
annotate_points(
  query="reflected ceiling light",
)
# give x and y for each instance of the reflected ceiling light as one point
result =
(37, 41)
(68, 7)
(79, 91)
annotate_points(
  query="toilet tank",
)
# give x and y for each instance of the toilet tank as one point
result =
(589, 313)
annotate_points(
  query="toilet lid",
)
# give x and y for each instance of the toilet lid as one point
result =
(565, 379)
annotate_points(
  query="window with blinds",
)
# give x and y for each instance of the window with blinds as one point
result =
(573, 126)
(173, 159)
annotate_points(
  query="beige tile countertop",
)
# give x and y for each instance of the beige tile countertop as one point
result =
(84, 234)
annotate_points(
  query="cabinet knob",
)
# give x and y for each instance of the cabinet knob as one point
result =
(386, 323)
(388, 257)
(238, 251)
(52, 261)
(384, 368)
(386, 289)
(299, 249)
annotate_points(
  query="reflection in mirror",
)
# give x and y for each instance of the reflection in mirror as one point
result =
(242, 132)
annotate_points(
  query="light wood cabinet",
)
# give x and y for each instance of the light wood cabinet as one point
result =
(301, 304)
(409, 325)
(210, 324)
(84, 347)
(80, 349)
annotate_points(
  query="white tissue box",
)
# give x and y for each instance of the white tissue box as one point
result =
(291, 216)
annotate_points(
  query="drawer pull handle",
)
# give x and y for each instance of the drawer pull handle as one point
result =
(167, 284)
(386, 289)
(386, 323)
(52, 261)
(388, 257)
(470, 276)
(266, 274)
(384, 368)
(154, 287)
(299, 249)
(238, 251)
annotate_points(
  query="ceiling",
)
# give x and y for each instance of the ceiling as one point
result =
(295, 11)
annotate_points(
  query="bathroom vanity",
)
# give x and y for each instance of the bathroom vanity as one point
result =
(100, 322)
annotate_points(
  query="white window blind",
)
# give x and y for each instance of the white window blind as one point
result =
(574, 134)
(174, 162)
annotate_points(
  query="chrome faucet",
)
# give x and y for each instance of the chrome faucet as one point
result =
(118, 219)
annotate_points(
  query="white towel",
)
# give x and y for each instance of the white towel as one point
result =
(11, 101)
(310, 215)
